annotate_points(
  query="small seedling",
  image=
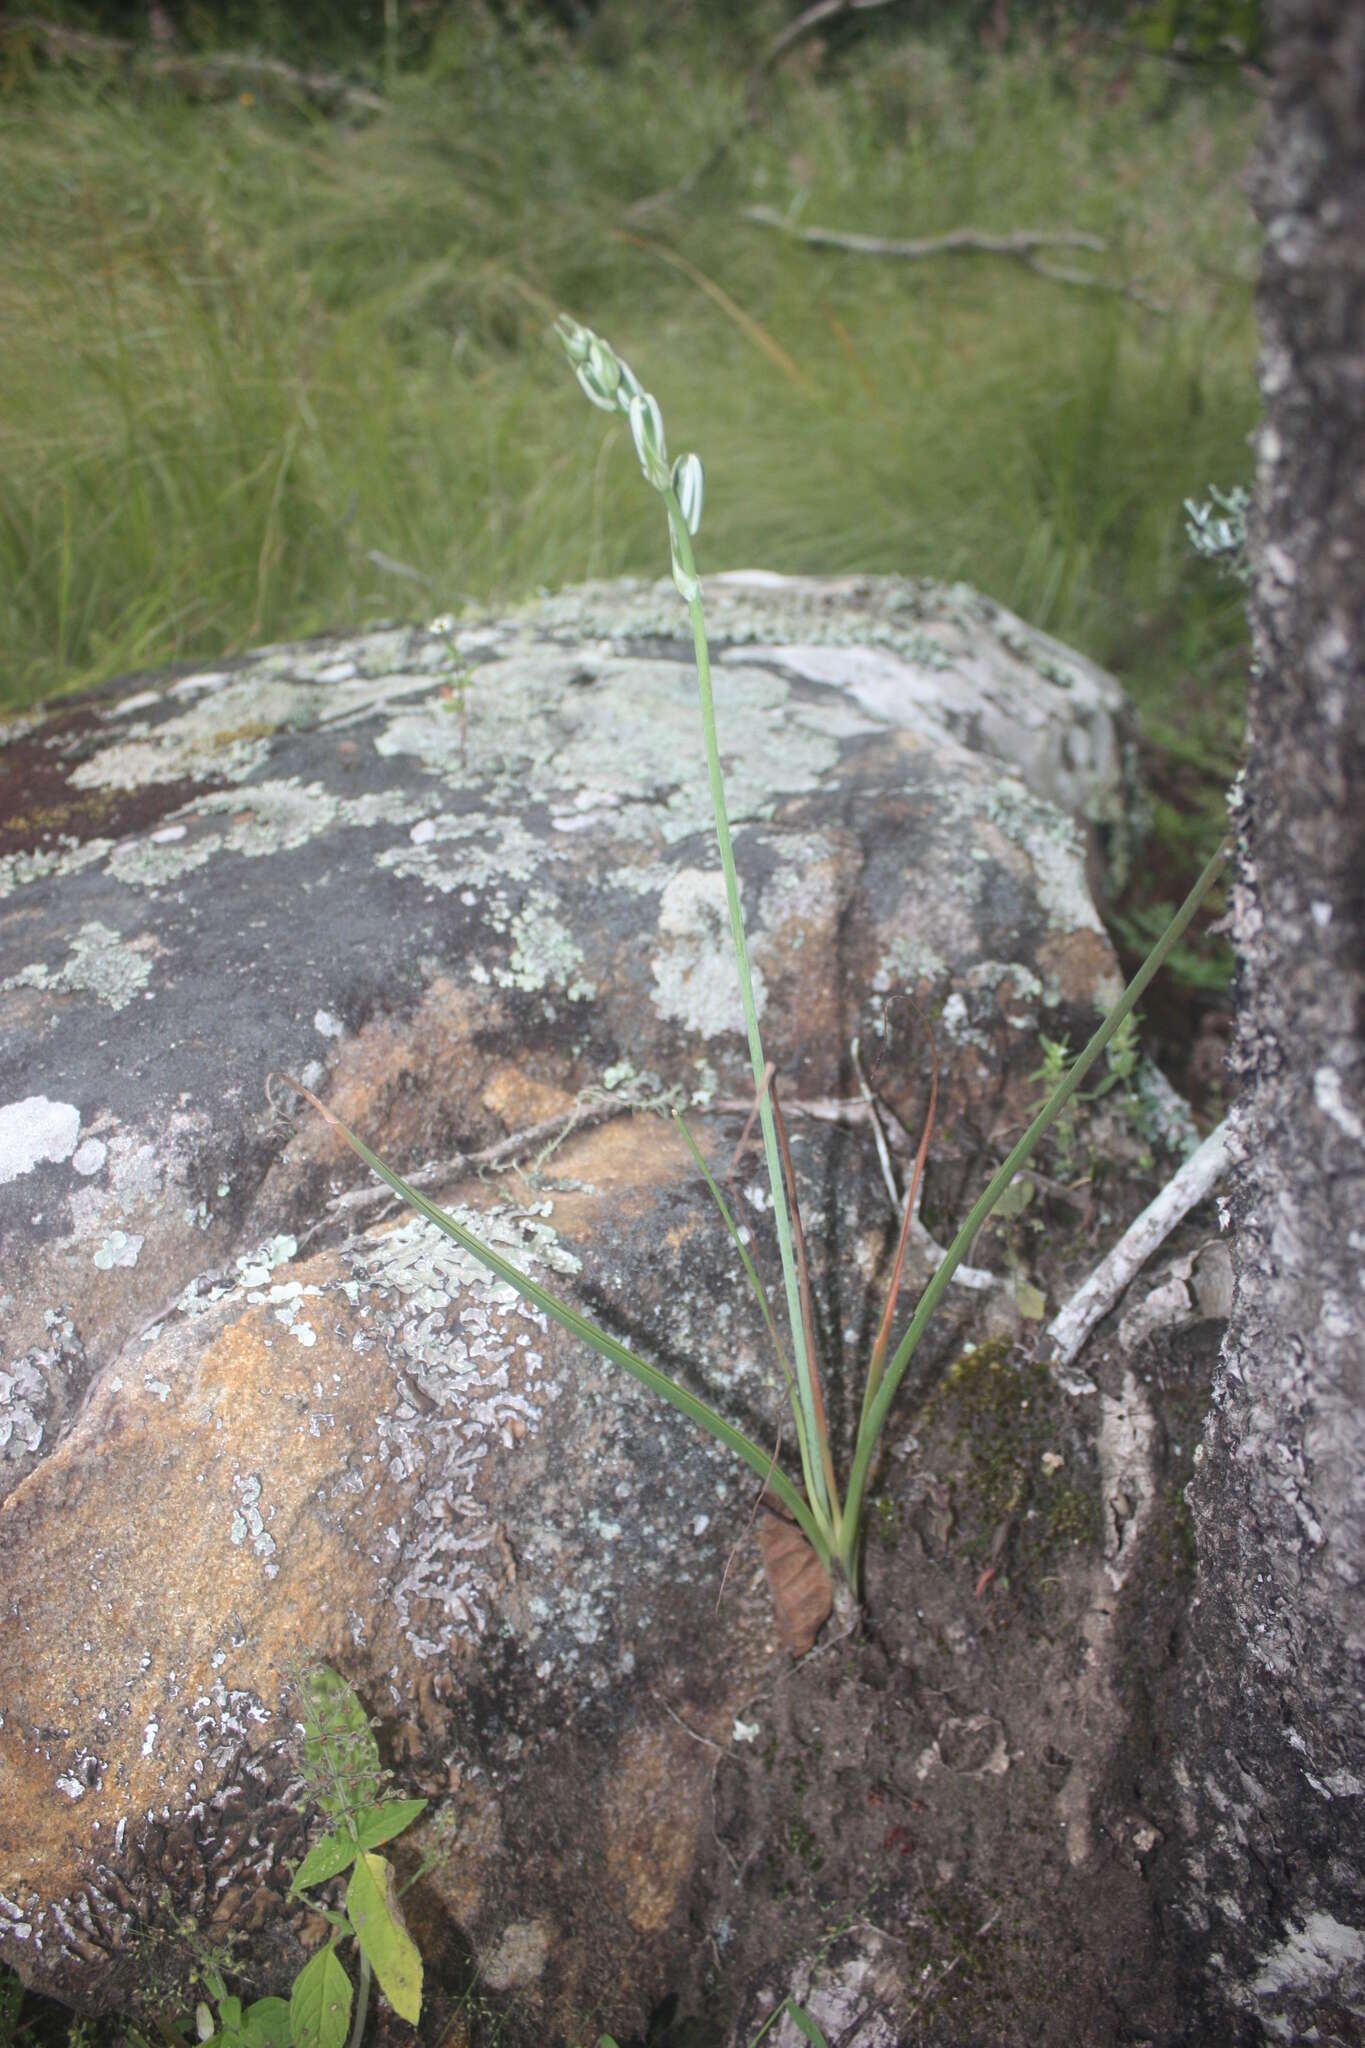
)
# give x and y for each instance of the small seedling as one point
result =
(830, 1522)
(345, 1782)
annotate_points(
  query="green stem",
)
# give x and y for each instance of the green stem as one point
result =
(825, 1509)
(871, 1427)
(362, 2004)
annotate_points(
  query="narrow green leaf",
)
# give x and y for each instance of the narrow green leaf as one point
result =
(327, 1858)
(598, 1340)
(377, 1919)
(870, 1428)
(320, 2003)
(230, 2015)
(1030, 1301)
(381, 1823)
(802, 2019)
(266, 2024)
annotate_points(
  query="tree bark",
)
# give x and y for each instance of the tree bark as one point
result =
(1275, 1794)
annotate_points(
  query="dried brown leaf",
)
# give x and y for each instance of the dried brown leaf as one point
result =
(802, 1595)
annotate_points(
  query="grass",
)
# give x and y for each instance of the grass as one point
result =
(254, 360)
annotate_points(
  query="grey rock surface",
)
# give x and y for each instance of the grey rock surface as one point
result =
(466, 889)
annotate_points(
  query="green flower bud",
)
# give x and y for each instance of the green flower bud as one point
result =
(647, 432)
(592, 389)
(577, 340)
(605, 368)
(689, 487)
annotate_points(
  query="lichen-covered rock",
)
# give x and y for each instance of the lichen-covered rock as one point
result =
(251, 1417)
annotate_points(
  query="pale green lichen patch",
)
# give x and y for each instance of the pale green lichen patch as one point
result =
(99, 964)
(469, 1376)
(118, 1249)
(17, 870)
(693, 961)
(224, 734)
(624, 754)
(906, 963)
(266, 818)
(34, 1130)
(1053, 845)
(248, 1523)
(545, 953)
(473, 850)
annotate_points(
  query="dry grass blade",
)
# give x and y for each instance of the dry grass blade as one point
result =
(877, 1365)
(753, 329)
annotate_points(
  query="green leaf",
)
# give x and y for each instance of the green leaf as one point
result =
(1015, 1199)
(377, 1920)
(598, 1340)
(320, 2003)
(339, 1750)
(381, 1823)
(1030, 1301)
(802, 2019)
(230, 2015)
(327, 1858)
(267, 2024)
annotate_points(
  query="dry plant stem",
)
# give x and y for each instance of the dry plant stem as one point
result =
(978, 1278)
(750, 1120)
(1021, 244)
(1200, 1174)
(752, 329)
(877, 1365)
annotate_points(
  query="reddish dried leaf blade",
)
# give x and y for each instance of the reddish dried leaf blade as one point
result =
(802, 1595)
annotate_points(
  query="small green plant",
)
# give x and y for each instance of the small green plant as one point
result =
(831, 1521)
(1122, 1058)
(345, 1782)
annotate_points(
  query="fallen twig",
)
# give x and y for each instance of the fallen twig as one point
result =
(1021, 244)
(1070, 1327)
(1018, 242)
(220, 72)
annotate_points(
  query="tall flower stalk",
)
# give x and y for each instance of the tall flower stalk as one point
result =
(831, 1523)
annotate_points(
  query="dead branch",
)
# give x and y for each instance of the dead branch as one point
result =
(1070, 1327)
(210, 76)
(1020, 242)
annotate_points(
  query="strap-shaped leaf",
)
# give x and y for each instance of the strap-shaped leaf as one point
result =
(320, 2005)
(377, 1919)
(598, 1340)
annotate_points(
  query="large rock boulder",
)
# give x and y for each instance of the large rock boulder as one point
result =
(253, 1416)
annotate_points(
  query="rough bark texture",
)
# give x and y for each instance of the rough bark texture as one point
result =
(1277, 1766)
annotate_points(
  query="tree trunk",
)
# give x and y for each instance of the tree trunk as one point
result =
(1276, 1750)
